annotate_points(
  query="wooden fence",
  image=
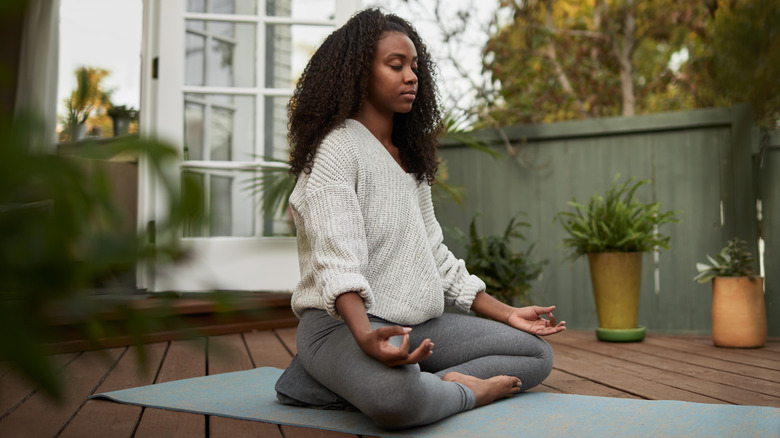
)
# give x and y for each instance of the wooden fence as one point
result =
(709, 164)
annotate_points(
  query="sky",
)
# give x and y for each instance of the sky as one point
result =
(107, 34)
(104, 34)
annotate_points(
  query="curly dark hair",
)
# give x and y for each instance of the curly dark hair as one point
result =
(335, 83)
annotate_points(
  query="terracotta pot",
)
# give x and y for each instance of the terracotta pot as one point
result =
(738, 312)
(616, 278)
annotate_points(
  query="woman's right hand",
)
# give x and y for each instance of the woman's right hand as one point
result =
(376, 343)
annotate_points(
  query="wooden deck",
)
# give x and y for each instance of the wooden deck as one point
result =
(663, 367)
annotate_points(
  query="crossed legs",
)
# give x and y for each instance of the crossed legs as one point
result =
(412, 395)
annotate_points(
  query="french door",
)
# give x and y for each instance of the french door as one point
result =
(217, 75)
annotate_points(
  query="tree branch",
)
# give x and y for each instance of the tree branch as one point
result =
(563, 79)
(623, 56)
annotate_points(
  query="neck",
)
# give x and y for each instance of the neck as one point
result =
(380, 125)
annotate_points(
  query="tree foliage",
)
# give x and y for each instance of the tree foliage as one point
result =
(737, 59)
(567, 59)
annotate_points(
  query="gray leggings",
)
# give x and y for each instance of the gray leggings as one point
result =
(413, 395)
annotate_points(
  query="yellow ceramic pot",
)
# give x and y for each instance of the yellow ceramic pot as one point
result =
(617, 279)
(738, 312)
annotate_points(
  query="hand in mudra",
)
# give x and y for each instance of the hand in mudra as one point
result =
(529, 319)
(376, 344)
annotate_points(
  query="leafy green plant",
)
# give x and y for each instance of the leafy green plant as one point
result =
(62, 233)
(507, 273)
(734, 260)
(615, 222)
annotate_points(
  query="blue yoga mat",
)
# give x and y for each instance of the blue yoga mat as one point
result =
(249, 395)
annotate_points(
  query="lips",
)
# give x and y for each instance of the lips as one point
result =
(409, 92)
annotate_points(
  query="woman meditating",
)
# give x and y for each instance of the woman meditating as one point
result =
(375, 273)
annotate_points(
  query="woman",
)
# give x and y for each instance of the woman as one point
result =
(375, 274)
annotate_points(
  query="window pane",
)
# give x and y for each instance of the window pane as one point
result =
(196, 5)
(244, 7)
(220, 54)
(193, 130)
(275, 128)
(224, 124)
(221, 134)
(228, 200)
(192, 184)
(302, 9)
(288, 49)
(221, 199)
(195, 59)
(276, 187)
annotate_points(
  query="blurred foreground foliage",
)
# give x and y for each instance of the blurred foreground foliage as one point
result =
(62, 234)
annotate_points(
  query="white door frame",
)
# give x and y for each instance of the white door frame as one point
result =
(254, 263)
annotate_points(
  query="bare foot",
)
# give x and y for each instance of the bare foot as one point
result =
(486, 390)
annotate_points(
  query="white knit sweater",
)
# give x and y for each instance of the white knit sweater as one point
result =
(364, 225)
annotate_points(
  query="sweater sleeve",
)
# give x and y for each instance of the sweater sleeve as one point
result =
(332, 222)
(460, 287)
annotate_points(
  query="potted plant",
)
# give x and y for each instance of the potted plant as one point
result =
(613, 231)
(507, 273)
(121, 116)
(738, 309)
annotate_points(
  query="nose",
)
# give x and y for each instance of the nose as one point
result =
(410, 77)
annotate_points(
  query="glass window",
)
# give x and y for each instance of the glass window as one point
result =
(219, 127)
(228, 201)
(241, 7)
(220, 54)
(192, 185)
(302, 9)
(193, 130)
(220, 206)
(288, 50)
(275, 128)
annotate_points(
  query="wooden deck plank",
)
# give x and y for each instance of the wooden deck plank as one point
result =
(567, 383)
(673, 372)
(14, 389)
(184, 360)
(544, 388)
(287, 335)
(229, 354)
(772, 344)
(40, 416)
(609, 372)
(104, 418)
(715, 370)
(266, 349)
(737, 363)
(711, 362)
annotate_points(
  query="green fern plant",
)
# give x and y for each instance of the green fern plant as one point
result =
(734, 260)
(615, 222)
(507, 273)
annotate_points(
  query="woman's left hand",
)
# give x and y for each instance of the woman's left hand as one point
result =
(529, 319)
